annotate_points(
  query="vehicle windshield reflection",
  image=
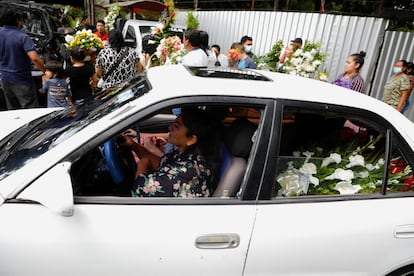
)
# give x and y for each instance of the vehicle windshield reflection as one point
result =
(40, 135)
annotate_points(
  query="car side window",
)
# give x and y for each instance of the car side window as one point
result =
(130, 34)
(335, 153)
(111, 169)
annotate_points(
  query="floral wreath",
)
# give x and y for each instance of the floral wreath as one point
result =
(305, 61)
(85, 39)
(169, 45)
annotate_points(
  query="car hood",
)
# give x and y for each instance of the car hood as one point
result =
(14, 119)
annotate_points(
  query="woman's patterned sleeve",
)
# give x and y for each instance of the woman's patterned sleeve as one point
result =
(181, 179)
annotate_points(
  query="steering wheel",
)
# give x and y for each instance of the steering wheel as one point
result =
(121, 164)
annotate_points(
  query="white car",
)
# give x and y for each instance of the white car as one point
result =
(318, 182)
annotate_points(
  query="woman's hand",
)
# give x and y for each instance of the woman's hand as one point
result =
(155, 145)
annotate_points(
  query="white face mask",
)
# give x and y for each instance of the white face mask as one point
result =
(396, 70)
(248, 48)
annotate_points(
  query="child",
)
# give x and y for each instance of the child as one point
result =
(55, 85)
(82, 76)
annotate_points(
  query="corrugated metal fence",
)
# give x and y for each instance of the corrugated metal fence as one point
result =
(339, 36)
(396, 46)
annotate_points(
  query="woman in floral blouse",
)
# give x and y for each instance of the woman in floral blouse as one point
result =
(396, 90)
(189, 169)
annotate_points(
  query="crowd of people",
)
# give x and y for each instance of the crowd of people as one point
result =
(116, 63)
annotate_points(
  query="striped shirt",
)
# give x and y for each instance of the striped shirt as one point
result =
(356, 82)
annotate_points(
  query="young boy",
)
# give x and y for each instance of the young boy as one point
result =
(56, 86)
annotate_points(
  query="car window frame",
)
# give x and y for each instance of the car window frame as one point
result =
(250, 185)
(265, 193)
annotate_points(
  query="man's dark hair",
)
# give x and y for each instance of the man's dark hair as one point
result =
(216, 46)
(194, 37)
(55, 67)
(100, 21)
(9, 16)
(245, 38)
(77, 53)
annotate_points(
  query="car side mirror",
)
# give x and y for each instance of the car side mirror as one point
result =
(53, 190)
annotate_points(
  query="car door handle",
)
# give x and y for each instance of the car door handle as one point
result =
(218, 241)
(404, 231)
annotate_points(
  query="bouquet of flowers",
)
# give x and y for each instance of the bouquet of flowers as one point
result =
(354, 170)
(169, 50)
(233, 57)
(85, 39)
(323, 76)
(169, 45)
(270, 60)
(305, 61)
(166, 21)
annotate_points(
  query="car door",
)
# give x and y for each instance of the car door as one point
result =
(112, 235)
(306, 227)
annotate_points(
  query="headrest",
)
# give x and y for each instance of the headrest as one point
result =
(238, 137)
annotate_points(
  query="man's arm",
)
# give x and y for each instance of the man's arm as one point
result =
(37, 61)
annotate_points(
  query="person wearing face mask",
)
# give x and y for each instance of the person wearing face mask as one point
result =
(396, 90)
(245, 61)
(247, 42)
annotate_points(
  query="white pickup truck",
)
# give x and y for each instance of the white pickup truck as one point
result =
(134, 30)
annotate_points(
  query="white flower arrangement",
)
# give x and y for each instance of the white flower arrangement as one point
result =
(305, 61)
(110, 18)
(349, 172)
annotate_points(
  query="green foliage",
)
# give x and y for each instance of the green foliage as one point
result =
(192, 21)
(71, 16)
(270, 60)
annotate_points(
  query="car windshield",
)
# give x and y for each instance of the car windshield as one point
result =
(35, 23)
(40, 135)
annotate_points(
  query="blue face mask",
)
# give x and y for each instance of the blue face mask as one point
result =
(396, 70)
(248, 48)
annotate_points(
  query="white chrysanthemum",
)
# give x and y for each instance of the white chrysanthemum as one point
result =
(316, 63)
(308, 56)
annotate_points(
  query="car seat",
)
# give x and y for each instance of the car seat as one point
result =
(235, 153)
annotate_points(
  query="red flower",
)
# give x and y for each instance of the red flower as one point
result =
(397, 166)
(233, 54)
(408, 184)
(167, 5)
(172, 15)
